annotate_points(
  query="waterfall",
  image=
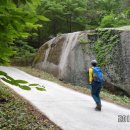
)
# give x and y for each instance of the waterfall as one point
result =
(44, 63)
(69, 44)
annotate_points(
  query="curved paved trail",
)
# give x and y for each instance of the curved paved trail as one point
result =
(69, 109)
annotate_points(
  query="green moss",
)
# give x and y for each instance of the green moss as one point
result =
(40, 56)
(55, 52)
(92, 33)
(91, 38)
(84, 41)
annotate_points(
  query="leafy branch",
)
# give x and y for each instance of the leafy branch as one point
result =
(20, 83)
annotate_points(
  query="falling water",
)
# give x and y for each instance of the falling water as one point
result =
(68, 45)
(44, 63)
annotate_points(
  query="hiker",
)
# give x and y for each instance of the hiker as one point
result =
(95, 83)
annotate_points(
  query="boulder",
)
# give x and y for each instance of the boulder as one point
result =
(68, 56)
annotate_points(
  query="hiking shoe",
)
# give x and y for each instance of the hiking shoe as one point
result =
(98, 108)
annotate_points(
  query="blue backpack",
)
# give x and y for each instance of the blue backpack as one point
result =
(98, 75)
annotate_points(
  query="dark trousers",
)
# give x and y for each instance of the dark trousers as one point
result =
(96, 88)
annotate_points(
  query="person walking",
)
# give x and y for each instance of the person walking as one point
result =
(96, 80)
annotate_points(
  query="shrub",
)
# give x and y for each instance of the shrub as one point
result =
(108, 21)
(24, 53)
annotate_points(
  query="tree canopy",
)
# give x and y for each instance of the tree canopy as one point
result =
(74, 15)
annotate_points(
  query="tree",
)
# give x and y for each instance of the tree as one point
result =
(15, 18)
(108, 21)
(116, 13)
(65, 16)
(93, 14)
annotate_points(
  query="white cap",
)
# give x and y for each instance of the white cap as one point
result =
(93, 61)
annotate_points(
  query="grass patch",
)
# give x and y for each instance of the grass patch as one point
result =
(17, 114)
(106, 95)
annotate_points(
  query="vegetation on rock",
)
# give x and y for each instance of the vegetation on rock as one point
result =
(40, 54)
(107, 40)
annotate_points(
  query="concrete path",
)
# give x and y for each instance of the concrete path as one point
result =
(69, 109)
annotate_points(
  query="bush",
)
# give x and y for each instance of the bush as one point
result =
(113, 21)
(24, 53)
(108, 21)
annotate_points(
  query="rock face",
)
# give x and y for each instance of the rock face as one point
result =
(68, 57)
(123, 62)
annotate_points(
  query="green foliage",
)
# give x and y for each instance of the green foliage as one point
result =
(102, 43)
(122, 22)
(65, 16)
(4, 97)
(107, 13)
(114, 21)
(20, 83)
(74, 15)
(84, 41)
(127, 11)
(106, 42)
(25, 87)
(15, 17)
(93, 14)
(40, 89)
(110, 6)
(33, 84)
(24, 53)
(108, 21)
